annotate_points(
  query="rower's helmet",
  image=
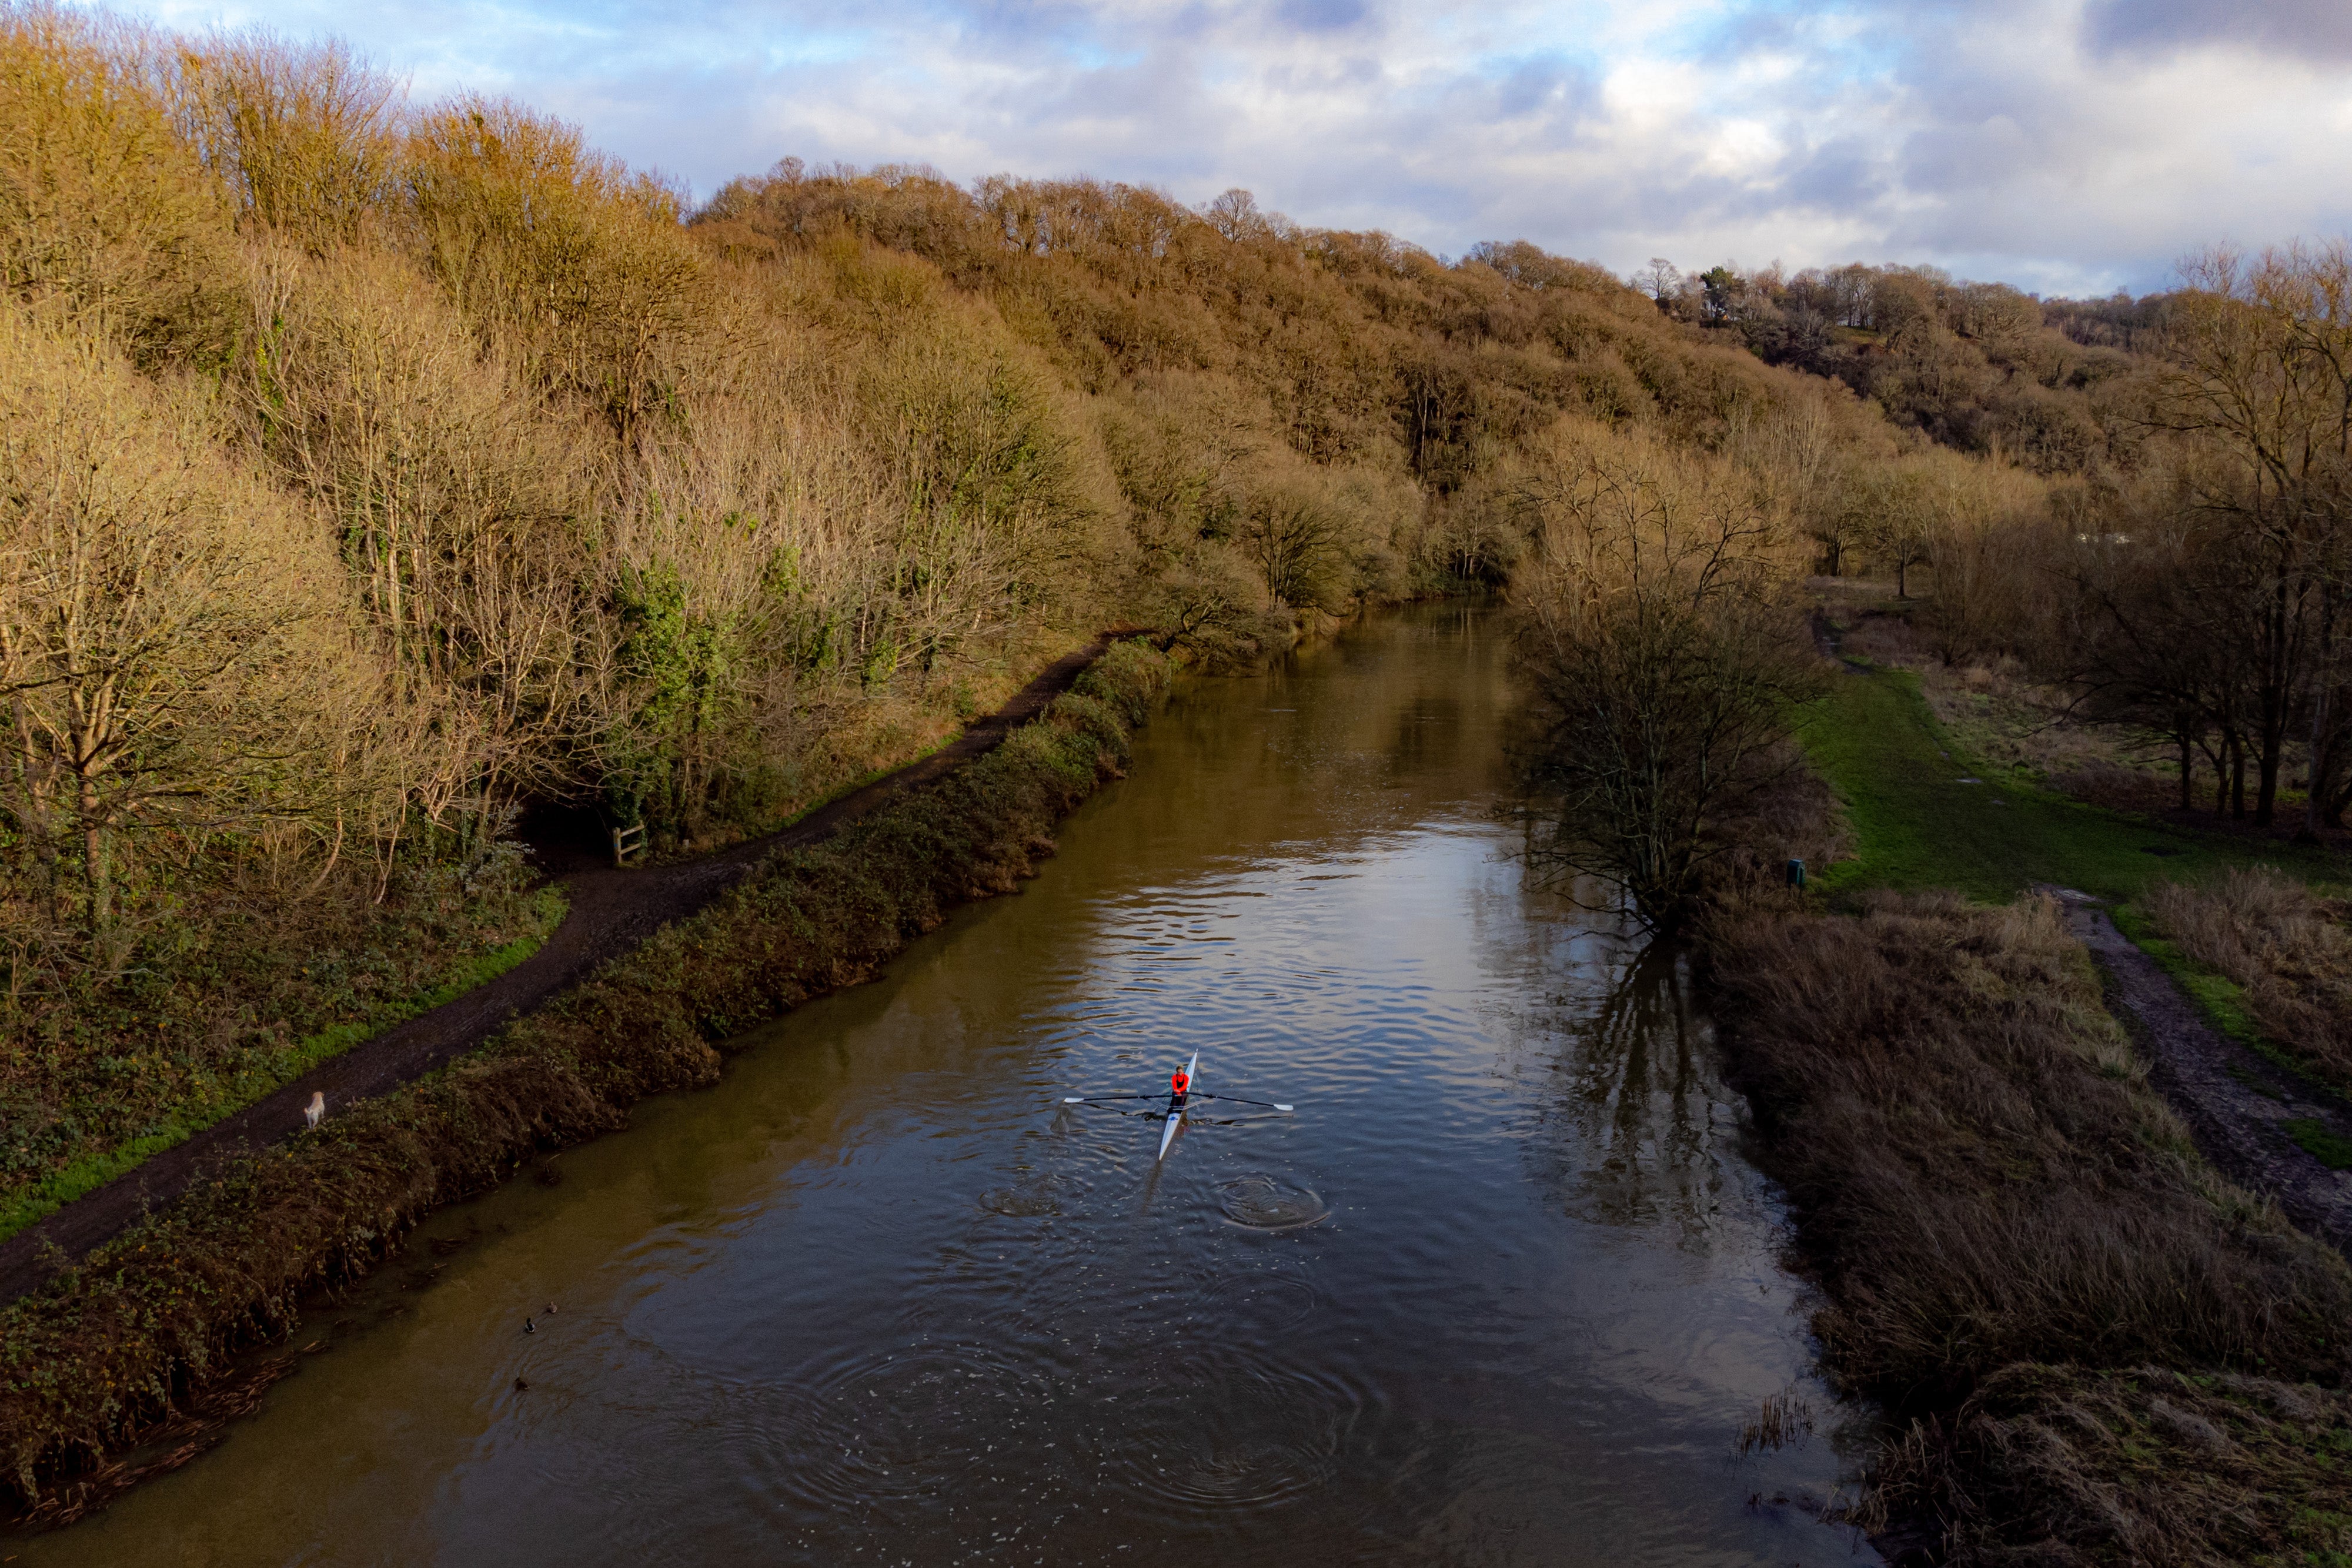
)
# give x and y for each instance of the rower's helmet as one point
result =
(1181, 1080)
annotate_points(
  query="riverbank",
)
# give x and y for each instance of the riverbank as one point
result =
(110, 1346)
(2100, 1347)
(608, 911)
(1925, 813)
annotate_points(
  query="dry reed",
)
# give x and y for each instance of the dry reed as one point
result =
(2020, 1251)
(2286, 948)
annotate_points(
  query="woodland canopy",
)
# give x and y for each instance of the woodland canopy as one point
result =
(378, 471)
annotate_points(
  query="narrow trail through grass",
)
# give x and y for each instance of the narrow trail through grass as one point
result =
(1991, 1190)
(1924, 814)
(93, 1170)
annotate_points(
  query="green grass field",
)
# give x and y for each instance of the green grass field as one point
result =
(1918, 824)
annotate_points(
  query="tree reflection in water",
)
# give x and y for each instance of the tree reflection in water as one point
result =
(1635, 1136)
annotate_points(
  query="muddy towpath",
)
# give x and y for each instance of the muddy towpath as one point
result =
(611, 912)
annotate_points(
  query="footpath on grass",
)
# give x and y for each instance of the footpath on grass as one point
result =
(611, 912)
(1924, 814)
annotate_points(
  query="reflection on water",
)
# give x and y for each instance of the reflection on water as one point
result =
(1635, 1125)
(1502, 1291)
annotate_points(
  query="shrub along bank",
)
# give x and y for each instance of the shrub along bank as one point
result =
(2098, 1350)
(110, 1345)
(2105, 1352)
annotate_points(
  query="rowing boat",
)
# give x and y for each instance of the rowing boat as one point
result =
(1179, 1102)
(1176, 1105)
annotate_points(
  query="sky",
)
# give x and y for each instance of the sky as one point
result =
(2065, 146)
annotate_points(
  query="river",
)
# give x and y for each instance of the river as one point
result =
(1503, 1289)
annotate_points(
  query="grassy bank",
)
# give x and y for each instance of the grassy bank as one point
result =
(1924, 814)
(1915, 822)
(208, 1098)
(2098, 1351)
(98, 1071)
(2102, 1351)
(109, 1346)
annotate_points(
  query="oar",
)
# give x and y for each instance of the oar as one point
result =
(1203, 1117)
(1239, 1100)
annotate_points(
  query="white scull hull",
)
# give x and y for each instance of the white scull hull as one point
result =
(1168, 1133)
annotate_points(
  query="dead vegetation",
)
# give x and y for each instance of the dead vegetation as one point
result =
(2286, 948)
(2010, 1229)
(1784, 1420)
(2064, 1465)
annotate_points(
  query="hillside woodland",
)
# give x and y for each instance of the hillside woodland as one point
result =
(1982, 367)
(374, 472)
(377, 470)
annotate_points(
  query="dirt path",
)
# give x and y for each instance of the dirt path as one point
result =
(2236, 1102)
(611, 913)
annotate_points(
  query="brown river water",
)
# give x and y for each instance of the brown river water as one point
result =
(1503, 1290)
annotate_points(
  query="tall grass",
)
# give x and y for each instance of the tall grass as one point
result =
(2284, 947)
(2020, 1250)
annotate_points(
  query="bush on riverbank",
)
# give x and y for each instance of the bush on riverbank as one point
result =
(2009, 1226)
(1664, 667)
(109, 1345)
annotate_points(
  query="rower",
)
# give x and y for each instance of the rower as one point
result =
(1180, 1095)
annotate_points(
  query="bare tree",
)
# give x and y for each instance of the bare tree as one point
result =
(1661, 280)
(1235, 216)
(1665, 674)
(153, 611)
(2258, 379)
(1894, 513)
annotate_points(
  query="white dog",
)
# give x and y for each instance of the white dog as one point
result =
(315, 1109)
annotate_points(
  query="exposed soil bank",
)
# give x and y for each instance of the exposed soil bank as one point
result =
(105, 1348)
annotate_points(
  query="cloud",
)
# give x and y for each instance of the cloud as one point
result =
(2296, 27)
(2070, 146)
